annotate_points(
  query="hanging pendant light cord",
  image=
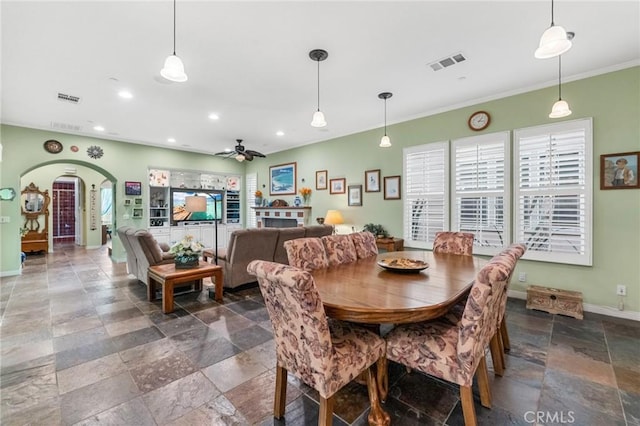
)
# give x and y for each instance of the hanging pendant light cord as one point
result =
(174, 27)
(318, 84)
(385, 117)
(560, 77)
(552, 24)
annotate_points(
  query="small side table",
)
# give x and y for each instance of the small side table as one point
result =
(168, 276)
(390, 244)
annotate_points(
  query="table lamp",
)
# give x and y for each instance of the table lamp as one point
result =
(333, 217)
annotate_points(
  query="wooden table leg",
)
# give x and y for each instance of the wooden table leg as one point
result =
(151, 289)
(167, 296)
(383, 378)
(217, 275)
(377, 416)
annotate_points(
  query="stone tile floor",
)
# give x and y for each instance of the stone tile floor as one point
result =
(80, 345)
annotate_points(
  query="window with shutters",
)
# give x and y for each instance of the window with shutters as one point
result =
(553, 191)
(251, 186)
(480, 203)
(426, 193)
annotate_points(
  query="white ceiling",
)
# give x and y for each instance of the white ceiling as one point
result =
(248, 62)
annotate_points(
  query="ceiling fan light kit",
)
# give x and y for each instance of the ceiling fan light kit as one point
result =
(173, 69)
(240, 153)
(318, 116)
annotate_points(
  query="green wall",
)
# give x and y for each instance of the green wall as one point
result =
(611, 99)
(24, 160)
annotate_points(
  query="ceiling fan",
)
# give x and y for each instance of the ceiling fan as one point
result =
(240, 153)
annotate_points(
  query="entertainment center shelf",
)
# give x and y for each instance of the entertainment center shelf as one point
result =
(168, 190)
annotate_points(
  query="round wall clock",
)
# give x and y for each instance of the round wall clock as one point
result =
(52, 146)
(479, 120)
(94, 151)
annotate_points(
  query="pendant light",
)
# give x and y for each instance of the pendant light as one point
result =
(385, 142)
(173, 67)
(318, 117)
(560, 108)
(554, 41)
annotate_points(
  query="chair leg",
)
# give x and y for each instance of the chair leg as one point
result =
(468, 410)
(504, 333)
(496, 355)
(280, 399)
(483, 383)
(325, 417)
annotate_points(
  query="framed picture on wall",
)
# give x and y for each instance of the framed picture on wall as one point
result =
(321, 179)
(392, 187)
(137, 213)
(132, 188)
(282, 179)
(372, 181)
(337, 186)
(355, 195)
(619, 171)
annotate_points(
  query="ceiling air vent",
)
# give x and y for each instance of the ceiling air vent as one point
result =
(68, 98)
(447, 62)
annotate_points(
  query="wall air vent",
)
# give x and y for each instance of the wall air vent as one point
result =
(68, 98)
(65, 127)
(443, 63)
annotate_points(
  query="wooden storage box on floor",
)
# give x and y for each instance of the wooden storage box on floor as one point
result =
(555, 301)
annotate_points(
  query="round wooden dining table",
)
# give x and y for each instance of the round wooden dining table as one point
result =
(366, 292)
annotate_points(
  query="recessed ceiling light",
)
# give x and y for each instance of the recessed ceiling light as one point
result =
(125, 94)
(214, 116)
(280, 133)
(228, 150)
(98, 128)
(171, 140)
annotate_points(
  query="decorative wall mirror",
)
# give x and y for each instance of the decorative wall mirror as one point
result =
(35, 210)
(7, 194)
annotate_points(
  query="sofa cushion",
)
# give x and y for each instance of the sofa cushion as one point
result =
(286, 234)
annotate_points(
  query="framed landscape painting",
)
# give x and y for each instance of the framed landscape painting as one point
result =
(282, 179)
(619, 171)
(132, 188)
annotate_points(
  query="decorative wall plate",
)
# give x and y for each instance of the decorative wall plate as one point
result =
(74, 148)
(94, 151)
(52, 146)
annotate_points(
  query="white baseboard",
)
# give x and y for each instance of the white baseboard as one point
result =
(587, 307)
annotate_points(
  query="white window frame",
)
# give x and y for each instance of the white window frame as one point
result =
(251, 186)
(583, 189)
(482, 244)
(413, 193)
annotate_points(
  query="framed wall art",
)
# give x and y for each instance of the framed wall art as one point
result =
(355, 195)
(321, 179)
(372, 181)
(392, 187)
(137, 213)
(337, 186)
(132, 188)
(282, 179)
(619, 171)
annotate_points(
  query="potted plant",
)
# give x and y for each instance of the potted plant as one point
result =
(377, 230)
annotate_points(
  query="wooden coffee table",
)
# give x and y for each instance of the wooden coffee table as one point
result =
(168, 276)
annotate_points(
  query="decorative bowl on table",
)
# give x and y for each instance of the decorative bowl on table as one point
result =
(401, 264)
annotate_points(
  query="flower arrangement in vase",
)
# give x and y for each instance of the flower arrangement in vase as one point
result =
(306, 194)
(258, 195)
(187, 252)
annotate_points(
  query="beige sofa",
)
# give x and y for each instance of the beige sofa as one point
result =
(246, 245)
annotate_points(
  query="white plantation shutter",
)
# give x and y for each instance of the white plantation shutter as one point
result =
(426, 193)
(251, 186)
(553, 195)
(480, 192)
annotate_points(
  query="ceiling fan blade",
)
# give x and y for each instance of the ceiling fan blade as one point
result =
(255, 153)
(224, 153)
(248, 155)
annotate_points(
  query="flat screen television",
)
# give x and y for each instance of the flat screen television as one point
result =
(179, 212)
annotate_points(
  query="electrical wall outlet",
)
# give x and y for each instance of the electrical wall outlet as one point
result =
(522, 277)
(621, 290)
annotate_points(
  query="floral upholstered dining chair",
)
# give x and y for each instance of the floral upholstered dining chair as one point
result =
(325, 354)
(339, 249)
(455, 350)
(453, 242)
(306, 253)
(365, 244)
